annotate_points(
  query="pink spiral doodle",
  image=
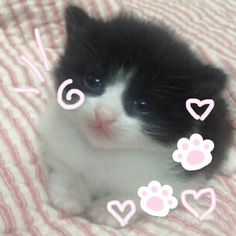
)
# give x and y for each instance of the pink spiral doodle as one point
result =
(69, 96)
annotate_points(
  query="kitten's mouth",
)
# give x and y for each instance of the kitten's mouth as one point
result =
(101, 130)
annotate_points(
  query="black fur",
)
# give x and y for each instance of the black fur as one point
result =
(167, 73)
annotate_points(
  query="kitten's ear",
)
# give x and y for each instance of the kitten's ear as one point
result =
(76, 20)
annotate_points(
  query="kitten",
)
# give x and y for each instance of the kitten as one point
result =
(136, 77)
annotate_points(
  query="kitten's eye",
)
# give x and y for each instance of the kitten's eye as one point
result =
(142, 106)
(94, 84)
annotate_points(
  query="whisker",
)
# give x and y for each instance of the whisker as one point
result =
(159, 134)
(163, 56)
(170, 87)
(92, 51)
(161, 94)
(179, 76)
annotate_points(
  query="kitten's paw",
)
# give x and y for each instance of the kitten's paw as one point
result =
(100, 215)
(62, 200)
(66, 196)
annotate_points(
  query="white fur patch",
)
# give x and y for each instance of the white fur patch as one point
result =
(117, 166)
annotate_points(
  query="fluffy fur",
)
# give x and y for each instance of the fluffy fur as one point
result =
(138, 76)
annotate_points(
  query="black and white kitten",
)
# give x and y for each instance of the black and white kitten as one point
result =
(136, 77)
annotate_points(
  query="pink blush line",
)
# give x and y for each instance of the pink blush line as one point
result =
(33, 68)
(25, 90)
(42, 51)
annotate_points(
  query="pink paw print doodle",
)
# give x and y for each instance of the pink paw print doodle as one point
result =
(193, 153)
(157, 200)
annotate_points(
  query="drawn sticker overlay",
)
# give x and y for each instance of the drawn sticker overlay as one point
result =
(196, 196)
(33, 67)
(121, 206)
(200, 103)
(157, 200)
(193, 153)
(69, 96)
(26, 90)
(42, 79)
(42, 52)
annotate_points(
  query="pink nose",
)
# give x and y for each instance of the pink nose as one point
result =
(105, 116)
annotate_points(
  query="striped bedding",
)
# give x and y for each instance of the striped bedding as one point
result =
(210, 26)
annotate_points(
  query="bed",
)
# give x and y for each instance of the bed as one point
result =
(210, 26)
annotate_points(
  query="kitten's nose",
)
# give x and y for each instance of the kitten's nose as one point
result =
(105, 116)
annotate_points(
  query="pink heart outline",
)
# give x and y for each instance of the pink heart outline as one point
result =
(200, 103)
(121, 207)
(196, 196)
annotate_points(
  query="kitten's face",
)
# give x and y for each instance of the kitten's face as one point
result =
(105, 122)
(136, 78)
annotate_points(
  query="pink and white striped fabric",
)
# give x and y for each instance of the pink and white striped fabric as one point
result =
(210, 26)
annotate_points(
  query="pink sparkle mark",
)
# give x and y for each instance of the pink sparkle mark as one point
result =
(25, 90)
(42, 51)
(33, 68)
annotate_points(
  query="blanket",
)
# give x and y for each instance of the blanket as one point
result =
(210, 28)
